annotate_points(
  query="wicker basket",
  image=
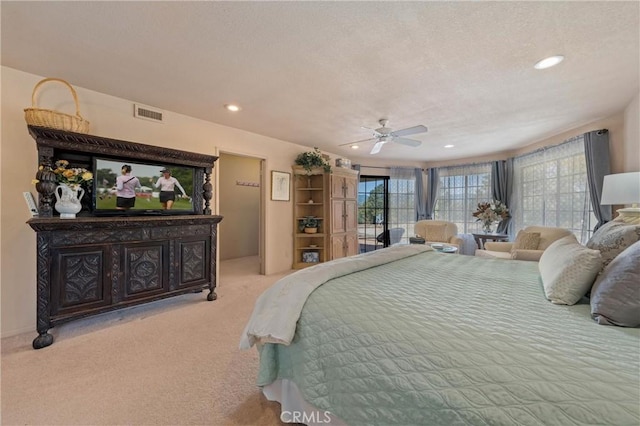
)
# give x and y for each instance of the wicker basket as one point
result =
(53, 119)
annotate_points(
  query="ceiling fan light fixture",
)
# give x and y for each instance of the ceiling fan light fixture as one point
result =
(549, 62)
(232, 107)
(384, 135)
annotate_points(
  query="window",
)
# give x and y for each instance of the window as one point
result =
(460, 190)
(402, 208)
(550, 189)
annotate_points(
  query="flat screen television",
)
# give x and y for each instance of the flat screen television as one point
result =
(147, 195)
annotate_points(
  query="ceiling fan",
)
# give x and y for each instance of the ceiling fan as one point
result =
(385, 134)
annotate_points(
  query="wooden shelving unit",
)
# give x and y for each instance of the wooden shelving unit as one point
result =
(309, 199)
(331, 198)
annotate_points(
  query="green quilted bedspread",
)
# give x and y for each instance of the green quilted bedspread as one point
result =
(441, 339)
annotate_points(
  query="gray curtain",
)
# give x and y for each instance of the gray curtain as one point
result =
(421, 200)
(501, 188)
(596, 152)
(432, 192)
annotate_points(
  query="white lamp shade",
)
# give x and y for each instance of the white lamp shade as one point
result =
(621, 188)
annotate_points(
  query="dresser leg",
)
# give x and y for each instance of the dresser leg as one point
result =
(42, 341)
(212, 295)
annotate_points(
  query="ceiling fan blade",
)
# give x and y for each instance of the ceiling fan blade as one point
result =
(377, 147)
(408, 142)
(382, 131)
(363, 140)
(410, 131)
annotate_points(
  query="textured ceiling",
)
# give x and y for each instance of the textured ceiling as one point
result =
(313, 73)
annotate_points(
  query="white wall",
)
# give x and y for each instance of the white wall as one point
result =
(632, 136)
(110, 117)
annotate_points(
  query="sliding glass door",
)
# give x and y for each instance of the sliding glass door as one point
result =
(386, 211)
(372, 212)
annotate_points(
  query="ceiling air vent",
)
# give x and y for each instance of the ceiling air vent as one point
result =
(147, 113)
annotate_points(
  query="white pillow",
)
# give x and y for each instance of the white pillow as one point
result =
(568, 270)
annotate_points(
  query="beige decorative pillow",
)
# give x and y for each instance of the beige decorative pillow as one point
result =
(613, 238)
(525, 241)
(436, 232)
(568, 270)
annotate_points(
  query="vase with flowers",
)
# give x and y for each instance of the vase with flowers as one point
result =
(489, 213)
(70, 188)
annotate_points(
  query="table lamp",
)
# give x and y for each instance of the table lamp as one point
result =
(623, 188)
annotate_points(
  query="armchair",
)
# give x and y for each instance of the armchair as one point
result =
(391, 236)
(438, 231)
(506, 250)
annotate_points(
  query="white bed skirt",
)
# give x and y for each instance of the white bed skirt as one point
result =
(293, 407)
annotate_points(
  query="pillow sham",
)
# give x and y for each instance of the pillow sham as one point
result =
(613, 238)
(525, 241)
(615, 296)
(568, 270)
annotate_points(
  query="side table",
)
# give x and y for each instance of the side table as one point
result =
(482, 237)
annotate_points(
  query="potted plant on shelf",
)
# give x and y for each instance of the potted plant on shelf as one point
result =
(309, 224)
(312, 159)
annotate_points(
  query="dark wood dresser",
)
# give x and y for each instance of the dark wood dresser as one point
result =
(93, 264)
(89, 265)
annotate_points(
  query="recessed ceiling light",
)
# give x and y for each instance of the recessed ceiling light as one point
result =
(448, 146)
(354, 147)
(232, 107)
(548, 62)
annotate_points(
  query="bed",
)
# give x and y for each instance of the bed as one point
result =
(408, 336)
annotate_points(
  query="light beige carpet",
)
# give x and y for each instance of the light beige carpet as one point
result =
(172, 362)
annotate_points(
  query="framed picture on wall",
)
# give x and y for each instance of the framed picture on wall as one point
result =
(280, 183)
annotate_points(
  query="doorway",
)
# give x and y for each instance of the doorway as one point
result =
(240, 199)
(373, 210)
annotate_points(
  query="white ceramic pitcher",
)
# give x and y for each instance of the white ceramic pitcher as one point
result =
(68, 204)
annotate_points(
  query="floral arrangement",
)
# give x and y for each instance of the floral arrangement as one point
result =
(489, 213)
(311, 159)
(73, 177)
